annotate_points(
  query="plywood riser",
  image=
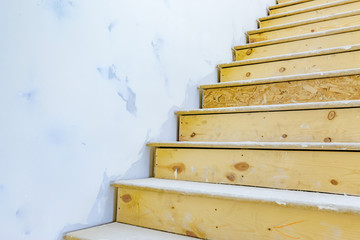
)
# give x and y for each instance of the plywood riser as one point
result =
(321, 125)
(309, 15)
(283, 1)
(219, 218)
(311, 44)
(275, 9)
(317, 90)
(321, 171)
(328, 62)
(305, 29)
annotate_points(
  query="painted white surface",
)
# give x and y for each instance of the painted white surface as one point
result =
(84, 84)
(119, 231)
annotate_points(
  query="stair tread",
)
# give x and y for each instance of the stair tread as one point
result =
(303, 22)
(296, 38)
(261, 145)
(280, 5)
(274, 107)
(326, 201)
(120, 231)
(308, 9)
(313, 53)
(298, 77)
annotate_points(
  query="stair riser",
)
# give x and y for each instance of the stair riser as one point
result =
(310, 15)
(305, 29)
(216, 218)
(304, 45)
(336, 125)
(318, 90)
(322, 171)
(330, 62)
(302, 5)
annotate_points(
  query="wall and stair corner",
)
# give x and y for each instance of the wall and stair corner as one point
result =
(84, 85)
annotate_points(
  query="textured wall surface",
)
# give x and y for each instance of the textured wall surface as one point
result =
(84, 84)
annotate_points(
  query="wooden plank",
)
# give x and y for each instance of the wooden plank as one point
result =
(338, 39)
(273, 108)
(289, 65)
(216, 217)
(321, 125)
(284, 1)
(321, 171)
(335, 21)
(317, 90)
(282, 8)
(120, 231)
(318, 11)
(260, 145)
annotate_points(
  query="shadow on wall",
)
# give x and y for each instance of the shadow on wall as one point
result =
(101, 211)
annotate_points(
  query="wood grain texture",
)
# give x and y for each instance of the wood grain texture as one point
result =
(284, 1)
(321, 171)
(323, 125)
(302, 45)
(318, 90)
(217, 218)
(305, 28)
(288, 18)
(293, 7)
(329, 62)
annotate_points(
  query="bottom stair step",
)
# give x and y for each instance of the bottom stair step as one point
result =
(217, 211)
(120, 231)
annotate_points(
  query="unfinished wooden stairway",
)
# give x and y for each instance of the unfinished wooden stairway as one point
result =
(274, 153)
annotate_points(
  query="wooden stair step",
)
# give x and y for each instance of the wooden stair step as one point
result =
(336, 121)
(335, 21)
(296, 167)
(308, 42)
(326, 86)
(332, 59)
(297, 5)
(288, 1)
(309, 13)
(219, 211)
(120, 231)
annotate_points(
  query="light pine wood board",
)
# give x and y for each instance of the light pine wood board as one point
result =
(322, 125)
(293, 7)
(297, 46)
(287, 1)
(328, 62)
(317, 90)
(309, 15)
(306, 28)
(321, 171)
(222, 218)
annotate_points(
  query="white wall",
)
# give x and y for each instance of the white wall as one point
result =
(84, 84)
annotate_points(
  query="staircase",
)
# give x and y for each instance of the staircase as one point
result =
(274, 153)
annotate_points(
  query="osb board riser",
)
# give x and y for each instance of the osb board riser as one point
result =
(325, 125)
(323, 171)
(318, 90)
(303, 5)
(330, 62)
(311, 44)
(306, 29)
(216, 218)
(310, 15)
